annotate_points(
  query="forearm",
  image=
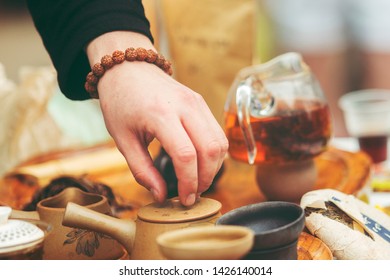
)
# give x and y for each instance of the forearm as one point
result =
(67, 26)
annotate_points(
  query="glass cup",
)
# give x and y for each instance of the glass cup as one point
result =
(367, 118)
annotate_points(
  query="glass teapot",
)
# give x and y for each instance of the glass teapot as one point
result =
(276, 112)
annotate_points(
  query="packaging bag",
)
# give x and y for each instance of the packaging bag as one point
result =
(352, 229)
(208, 42)
(36, 119)
(26, 127)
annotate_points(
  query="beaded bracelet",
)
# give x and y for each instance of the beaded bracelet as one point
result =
(117, 57)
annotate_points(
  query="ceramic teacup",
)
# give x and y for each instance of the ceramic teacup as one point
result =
(206, 243)
(277, 226)
(21, 239)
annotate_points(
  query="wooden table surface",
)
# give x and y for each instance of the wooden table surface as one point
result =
(237, 186)
(342, 170)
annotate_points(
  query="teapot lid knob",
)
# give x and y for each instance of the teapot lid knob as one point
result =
(5, 212)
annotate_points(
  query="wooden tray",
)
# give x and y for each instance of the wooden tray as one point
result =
(312, 248)
(345, 171)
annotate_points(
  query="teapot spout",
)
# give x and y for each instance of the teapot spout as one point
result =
(81, 217)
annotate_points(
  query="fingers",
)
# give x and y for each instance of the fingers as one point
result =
(214, 150)
(210, 143)
(141, 166)
(178, 145)
(197, 149)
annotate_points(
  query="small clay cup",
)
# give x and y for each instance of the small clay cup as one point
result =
(276, 225)
(206, 243)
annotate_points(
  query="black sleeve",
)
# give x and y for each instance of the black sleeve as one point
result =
(66, 26)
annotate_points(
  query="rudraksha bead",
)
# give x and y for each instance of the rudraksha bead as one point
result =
(152, 56)
(92, 79)
(91, 89)
(107, 61)
(118, 57)
(98, 70)
(159, 60)
(130, 54)
(142, 54)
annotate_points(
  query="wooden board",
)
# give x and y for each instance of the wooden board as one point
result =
(312, 248)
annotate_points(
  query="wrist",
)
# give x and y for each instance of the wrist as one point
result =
(108, 43)
(116, 40)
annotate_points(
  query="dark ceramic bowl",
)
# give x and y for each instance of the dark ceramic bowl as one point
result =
(287, 252)
(276, 224)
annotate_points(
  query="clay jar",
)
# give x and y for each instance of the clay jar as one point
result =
(66, 243)
(139, 236)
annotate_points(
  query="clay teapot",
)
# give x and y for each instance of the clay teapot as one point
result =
(139, 236)
(66, 243)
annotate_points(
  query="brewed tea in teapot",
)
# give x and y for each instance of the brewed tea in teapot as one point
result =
(276, 113)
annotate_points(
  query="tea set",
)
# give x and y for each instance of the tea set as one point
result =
(168, 231)
(64, 242)
(276, 117)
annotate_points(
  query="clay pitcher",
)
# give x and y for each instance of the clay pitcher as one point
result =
(67, 243)
(139, 236)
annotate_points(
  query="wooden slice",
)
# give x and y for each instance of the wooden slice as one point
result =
(312, 248)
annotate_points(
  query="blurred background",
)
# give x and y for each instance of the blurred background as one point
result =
(345, 42)
(20, 43)
(36, 118)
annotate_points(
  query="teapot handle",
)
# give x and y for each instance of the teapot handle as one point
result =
(78, 216)
(243, 102)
